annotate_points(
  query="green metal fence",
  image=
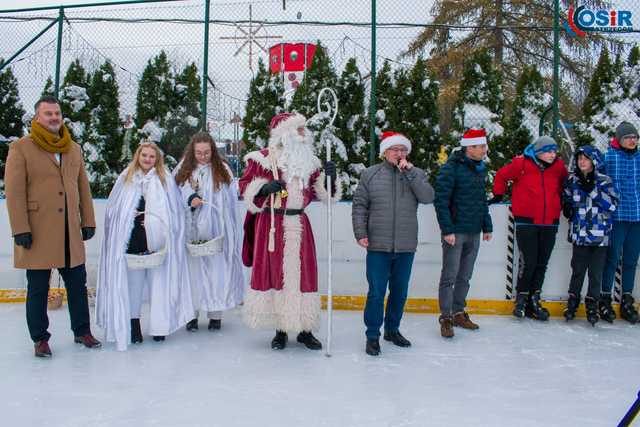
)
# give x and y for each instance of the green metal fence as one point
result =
(430, 69)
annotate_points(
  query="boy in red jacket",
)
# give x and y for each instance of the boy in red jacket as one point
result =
(537, 178)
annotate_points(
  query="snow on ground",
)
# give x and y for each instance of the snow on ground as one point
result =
(509, 373)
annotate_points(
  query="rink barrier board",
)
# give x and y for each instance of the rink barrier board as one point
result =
(357, 302)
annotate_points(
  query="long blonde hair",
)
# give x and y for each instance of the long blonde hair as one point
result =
(134, 166)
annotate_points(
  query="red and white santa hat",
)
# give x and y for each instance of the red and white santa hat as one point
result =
(474, 137)
(285, 122)
(389, 139)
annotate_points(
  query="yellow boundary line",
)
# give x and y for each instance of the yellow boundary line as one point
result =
(357, 302)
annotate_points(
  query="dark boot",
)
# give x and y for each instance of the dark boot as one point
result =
(446, 327)
(373, 347)
(627, 310)
(214, 324)
(572, 306)
(192, 326)
(463, 321)
(605, 309)
(158, 338)
(279, 342)
(397, 338)
(535, 310)
(521, 304)
(88, 341)
(42, 349)
(591, 307)
(136, 332)
(307, 338)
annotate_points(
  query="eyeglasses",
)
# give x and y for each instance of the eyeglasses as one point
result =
(203, 154)
(399, 149)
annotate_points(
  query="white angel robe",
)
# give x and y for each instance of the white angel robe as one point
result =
(217, 281)
(168, 285)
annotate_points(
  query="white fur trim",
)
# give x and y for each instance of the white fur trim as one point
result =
(294, 122)
(390, 141)
(250, 193)
(321, 191)
(465, 142)
(288, 309)
(259, 158)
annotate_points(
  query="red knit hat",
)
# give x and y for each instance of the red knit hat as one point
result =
(389, 139)
(474, 137)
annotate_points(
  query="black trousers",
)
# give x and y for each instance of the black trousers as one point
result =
(535, 244)
(75, 280)
(587, 258)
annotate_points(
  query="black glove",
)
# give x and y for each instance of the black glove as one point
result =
(271, 187)
(497, 198)
(568, 211)
(330, 170)
(24, 240)
(88, 232)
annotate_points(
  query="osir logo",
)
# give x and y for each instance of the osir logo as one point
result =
(582, 20)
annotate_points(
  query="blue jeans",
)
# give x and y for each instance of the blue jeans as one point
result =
(625, 238)
(383, 268)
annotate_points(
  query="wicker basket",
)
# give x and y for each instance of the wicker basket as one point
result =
(214, 246)
(150, 260)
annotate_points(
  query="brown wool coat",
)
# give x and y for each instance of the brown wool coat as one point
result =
(35, 187)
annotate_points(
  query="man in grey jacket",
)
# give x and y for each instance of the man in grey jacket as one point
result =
(385, 222)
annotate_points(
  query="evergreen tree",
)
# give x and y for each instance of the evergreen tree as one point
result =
(74, 100)
(103, 142)
(480, 105)
(522, 126)
(11, 113)
(155, 91)
(48, 88)
(349, 125)
(265, 100)
(384, 99)
(602, 77)
(183, 120)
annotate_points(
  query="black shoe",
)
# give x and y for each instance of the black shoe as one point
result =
(605, 310)
(572, 306)
(158, 338)
(214, 324)
(535, 310)
(279, 342)
(521, 303)
(373, 347)
(627, 310)
(591, 307)
(192, 326)
(309, 341)
(136, 332)
(397, 338)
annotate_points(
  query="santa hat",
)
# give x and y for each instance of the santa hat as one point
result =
(285, 122)
(474, 137)
(389, 139)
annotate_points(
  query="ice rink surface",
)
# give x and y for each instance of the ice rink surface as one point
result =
(509, 373)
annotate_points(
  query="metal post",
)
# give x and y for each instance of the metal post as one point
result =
(373, 104)
(56, 86)
(205, 66)
(556, 66)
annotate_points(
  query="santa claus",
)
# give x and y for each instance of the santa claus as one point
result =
(278, 184)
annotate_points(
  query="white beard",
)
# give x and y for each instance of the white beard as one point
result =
(295, 156)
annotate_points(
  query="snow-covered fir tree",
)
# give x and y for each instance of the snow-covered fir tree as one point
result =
(480, 105)
(523, 123)
(183, 119)
(48, 88)
(265, 100)
(11, 113)
(384, 99)
(74, 100)
(352, 155)
(103, 137)
(612, 99)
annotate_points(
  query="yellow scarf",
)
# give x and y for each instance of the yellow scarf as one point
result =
(48, 141)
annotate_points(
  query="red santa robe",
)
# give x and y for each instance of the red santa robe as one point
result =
(284, 283)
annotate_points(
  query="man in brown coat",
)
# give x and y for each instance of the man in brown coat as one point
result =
(51, 214)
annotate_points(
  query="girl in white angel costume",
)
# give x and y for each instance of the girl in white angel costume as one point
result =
(144, 215)
(208, 190)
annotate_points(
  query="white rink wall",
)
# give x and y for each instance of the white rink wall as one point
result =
(488, 282)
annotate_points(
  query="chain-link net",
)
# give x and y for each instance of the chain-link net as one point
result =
(440, 68)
